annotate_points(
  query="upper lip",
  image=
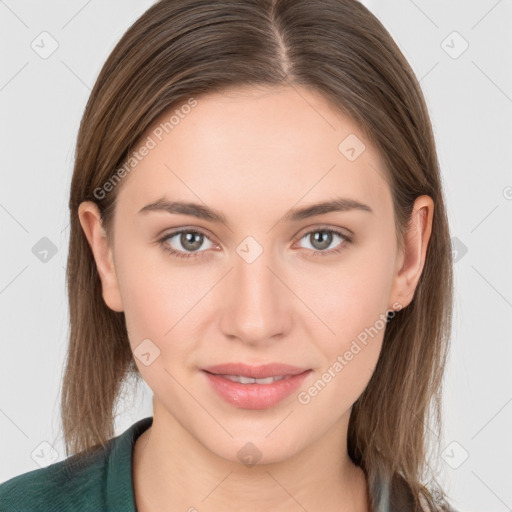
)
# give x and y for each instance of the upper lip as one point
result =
(255, 372)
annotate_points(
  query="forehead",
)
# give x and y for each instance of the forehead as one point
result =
(255, 146)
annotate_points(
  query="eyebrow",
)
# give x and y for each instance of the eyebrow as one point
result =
(340, 204)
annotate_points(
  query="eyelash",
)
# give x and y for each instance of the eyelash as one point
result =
(201, 254)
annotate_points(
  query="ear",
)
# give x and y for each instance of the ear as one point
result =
(90, 219)
(410, 261)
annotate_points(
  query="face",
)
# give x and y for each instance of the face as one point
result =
(255, 284)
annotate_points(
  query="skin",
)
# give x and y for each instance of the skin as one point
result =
(254, 154)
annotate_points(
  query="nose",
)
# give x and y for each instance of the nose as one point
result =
(257, 306)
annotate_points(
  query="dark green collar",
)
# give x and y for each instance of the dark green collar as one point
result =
(119, 481)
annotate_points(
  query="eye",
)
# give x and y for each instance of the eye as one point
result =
(189, 240)
(321, 239)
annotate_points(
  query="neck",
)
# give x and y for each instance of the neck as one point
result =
(173, 471)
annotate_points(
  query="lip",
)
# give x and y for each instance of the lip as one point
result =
(256, 372)
(255, 396)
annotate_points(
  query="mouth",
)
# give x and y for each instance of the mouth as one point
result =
(249, 380)
(266, 371)
(255, 387)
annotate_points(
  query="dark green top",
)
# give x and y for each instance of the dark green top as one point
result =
(100, 481)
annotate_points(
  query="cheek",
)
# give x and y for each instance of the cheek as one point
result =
(351, 297)
(153, 311)
(352, 302)
(351, 353)
(161, 301)
(354, 308)
(145, 292)
(155, 292)
(342, 380)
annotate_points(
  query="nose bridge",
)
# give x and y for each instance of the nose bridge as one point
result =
(257, 303)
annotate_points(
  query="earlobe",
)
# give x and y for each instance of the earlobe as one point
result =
(90, 220)
(412, 260)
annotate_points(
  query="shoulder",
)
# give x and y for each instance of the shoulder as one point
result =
(75, 483)
(98, 479)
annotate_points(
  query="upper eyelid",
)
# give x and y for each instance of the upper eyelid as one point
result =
(314, 229)
(185, 230)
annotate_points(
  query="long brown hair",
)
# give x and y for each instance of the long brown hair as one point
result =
(179, 49)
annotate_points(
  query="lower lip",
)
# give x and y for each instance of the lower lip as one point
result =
(255, 396)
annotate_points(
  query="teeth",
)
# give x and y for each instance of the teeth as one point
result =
(249, 380)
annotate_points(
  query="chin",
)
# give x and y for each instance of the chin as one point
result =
(253, 444)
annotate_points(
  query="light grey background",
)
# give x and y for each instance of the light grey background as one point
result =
(469, 95)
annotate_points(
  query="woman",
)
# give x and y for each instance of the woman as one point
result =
(258, 232)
